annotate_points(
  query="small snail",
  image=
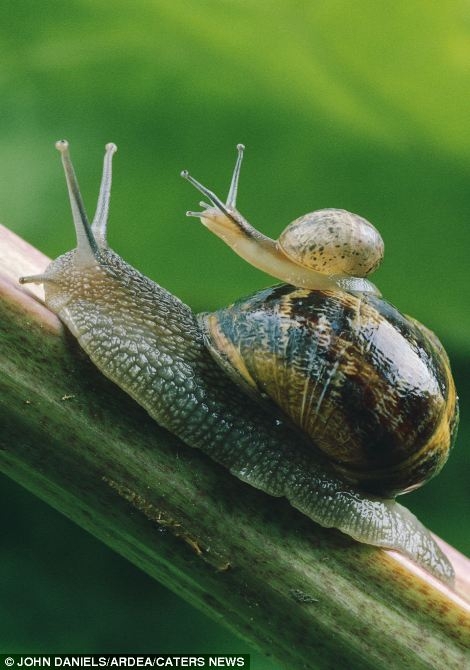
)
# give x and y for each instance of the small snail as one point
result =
(320, 250)
(251, 384)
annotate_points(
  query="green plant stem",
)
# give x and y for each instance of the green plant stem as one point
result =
(310, 597)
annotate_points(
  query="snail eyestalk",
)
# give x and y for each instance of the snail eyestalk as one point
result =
(232, 194)
(102, 208)
(215, 200)
(87, 248)
(34, 279)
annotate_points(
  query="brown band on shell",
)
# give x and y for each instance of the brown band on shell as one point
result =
(365, 383)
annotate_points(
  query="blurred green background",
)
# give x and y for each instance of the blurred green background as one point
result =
(362, 105)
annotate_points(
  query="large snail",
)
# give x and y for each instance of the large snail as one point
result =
(317, 390)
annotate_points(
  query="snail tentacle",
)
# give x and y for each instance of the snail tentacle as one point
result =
(100, 219)
(87, 247)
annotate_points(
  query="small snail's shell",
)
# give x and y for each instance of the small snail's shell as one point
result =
(371, 387)
(334, 242)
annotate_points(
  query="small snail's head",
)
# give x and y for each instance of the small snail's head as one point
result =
(325, 249)
(223, 218)
(73, 274)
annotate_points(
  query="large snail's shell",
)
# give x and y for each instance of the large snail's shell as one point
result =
(334, 242)
(371, 387)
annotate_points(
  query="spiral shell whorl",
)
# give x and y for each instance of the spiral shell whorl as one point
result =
(370, 388)
(334, 242)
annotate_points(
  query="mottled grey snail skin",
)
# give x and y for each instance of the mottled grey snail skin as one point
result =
(151, 345)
